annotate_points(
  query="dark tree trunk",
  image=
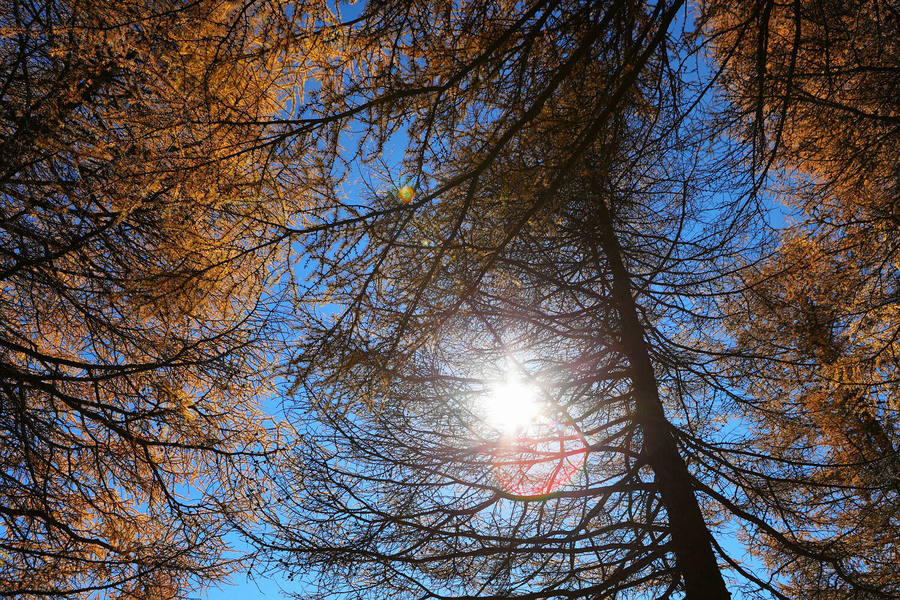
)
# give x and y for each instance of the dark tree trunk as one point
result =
(691, 540)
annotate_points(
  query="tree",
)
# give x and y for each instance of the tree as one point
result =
(551, 209)
(140, 206)
(166, 168)
(815, 328)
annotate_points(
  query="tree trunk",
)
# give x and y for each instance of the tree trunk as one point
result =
(691, 540)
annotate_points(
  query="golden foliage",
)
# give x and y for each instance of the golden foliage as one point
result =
(140, 201)
(817, 81)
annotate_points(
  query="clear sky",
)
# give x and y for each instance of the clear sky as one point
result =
(243, 589)
(267, 588)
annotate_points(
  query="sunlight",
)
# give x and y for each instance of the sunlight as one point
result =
(511, 405)
(535, 454)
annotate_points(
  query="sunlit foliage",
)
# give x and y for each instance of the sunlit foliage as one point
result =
(376, 213)
(817, 86)
(138, 206)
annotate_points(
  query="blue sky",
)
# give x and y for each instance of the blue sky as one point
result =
(242, 588)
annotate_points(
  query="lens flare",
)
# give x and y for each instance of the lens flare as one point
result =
(539, 459)
(405, 194)
(534, 456)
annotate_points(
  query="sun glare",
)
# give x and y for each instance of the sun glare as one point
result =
(535, 454)
(511, 405)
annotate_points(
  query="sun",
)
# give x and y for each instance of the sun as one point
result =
(511, 405)
(535, 454)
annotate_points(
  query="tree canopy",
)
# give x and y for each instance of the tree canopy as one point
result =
(208, 204)
(816, 326)
(138, 205)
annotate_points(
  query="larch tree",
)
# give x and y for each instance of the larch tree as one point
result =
(141, 199)
(171, 176)
(814, 87)
(570, 233)
(560, 229)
